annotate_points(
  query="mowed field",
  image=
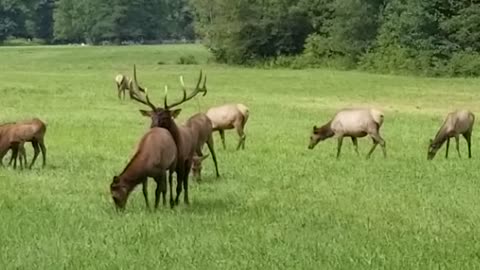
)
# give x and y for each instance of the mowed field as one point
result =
(277, 204)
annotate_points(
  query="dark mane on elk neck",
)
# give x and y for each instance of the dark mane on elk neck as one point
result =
(325, 130)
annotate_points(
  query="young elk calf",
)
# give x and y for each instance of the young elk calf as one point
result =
(229, 116)
(354, 123)
(456, 123)
(32, 130)
(155, 154)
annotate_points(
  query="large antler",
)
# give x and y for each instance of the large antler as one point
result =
(185, 98)
(136, 89)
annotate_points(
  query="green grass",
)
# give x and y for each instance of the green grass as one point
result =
(277, 205)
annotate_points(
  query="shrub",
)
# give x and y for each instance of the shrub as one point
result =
(187, 60)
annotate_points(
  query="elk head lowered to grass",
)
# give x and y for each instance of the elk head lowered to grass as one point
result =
(459, 122)
(156, 153)
(182, 135)
(32, 130)
(354, 123)
(124, 83)
(229, 116)
(9, 143)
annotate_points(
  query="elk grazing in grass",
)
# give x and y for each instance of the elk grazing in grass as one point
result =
(124, 83)
(354, 123)
(229, 116)
(459, 122)
(16, 134)
(156, 153)
(202, 129)
(182, 135)
(17, 147)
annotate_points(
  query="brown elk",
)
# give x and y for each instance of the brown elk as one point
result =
(17, 147)
(16, 134)
(229, 116)
(124, 83)
(182, 135)
(156, 153)
(354, 123)
(459, 122)
(202, 129)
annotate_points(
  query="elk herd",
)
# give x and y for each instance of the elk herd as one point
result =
(169, 147)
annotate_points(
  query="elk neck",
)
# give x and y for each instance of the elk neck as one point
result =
(133, 172)
(326, 130)
(441, 137)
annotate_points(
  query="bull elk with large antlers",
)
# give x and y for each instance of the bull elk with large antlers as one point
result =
(229, 116)
(156, 153)
(182, 135)
(32, 130)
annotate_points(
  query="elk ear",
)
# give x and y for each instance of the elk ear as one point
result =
(146, 113)
(176, 112)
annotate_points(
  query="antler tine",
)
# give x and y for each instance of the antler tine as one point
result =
(204, 87)
(137, 89)
(192, 95)
(165, 105)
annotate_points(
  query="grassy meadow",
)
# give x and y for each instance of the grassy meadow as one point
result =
(277, 204)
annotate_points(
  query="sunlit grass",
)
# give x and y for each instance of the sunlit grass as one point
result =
(277, 204)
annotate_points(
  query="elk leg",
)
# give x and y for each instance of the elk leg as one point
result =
(339, 146)
(212, 152)
(241, 134)
(375, 143)
(447, 146)
(161, 189)
(468, 137)
(14, 155)
(355, 144)
(23, 155)
(36, 152)
(145, 191)
(378, 140)
(457, 141)
(180, 176)
(44, 153)
(188, 166)
(222, 137)
(170, 180)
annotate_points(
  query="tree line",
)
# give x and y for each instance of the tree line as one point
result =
(435, 37)
(92, 21)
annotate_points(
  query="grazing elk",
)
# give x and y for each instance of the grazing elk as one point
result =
(17, 147)
(459, 122)
(156, 153)
(229, 116)
(124, 83)
(354, 123)
(182, 135)
(202, 129)
(32, 130)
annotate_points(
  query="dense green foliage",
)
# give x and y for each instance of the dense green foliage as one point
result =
(277, 205)
(438, 37)
(430, 37)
